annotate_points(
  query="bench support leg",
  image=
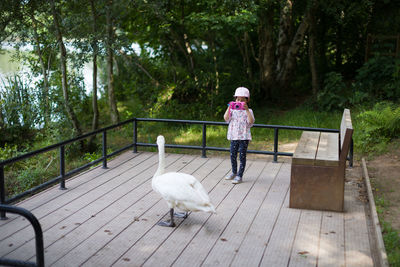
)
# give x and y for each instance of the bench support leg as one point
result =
(317, 187)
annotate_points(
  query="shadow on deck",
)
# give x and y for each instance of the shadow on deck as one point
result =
(108, 217)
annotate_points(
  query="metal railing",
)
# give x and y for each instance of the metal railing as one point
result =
(135, 144)
(38, 237)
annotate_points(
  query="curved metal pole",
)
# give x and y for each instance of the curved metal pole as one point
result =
(38, 235)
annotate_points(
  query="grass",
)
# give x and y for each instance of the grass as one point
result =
(391, 237)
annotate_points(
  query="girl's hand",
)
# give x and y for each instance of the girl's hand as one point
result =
(245, 106)
(227, 114)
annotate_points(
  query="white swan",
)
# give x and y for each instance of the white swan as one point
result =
(180, 190)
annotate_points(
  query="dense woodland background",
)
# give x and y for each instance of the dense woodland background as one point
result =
(183, 59)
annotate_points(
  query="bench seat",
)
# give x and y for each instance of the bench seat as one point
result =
(318, 168)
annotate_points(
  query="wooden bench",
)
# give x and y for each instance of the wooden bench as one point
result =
(318, 168)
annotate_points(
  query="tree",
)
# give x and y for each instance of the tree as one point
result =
(63, 68)
(110, 61)
(39, 51)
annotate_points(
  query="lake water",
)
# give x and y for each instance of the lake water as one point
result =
(9, 68)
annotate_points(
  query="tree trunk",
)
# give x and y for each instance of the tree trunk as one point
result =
(289, 65)
(95, 121)
(285, 32)
(1, 116)
(44, 72)
(266, 59)
(110, 59)
(311, 54)
(63, 63)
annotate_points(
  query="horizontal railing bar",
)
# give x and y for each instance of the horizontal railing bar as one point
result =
(105, 129)
(32, 190)
(119, 150)
(63, 143)
(57, 179)
(54, 146)
(216, 149)
(51, 182)
(255, 125)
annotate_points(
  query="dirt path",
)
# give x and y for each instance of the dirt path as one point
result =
(384, 172)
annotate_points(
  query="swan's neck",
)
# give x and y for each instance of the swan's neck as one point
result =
(161, 161)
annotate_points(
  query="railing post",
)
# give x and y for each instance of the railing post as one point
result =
(104, 149)
(2, 193)
(351, 153)
(62, 168)
(203, 154)
(276, 131)
(135, 136)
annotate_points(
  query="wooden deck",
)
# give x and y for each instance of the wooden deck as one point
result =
(108, 217)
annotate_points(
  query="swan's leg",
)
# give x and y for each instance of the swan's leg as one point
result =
(169, 223)
(181, 214)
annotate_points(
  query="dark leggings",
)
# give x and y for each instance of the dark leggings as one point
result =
(241, 146)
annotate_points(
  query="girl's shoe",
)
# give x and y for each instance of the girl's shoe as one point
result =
(230, 176)
(237, 180)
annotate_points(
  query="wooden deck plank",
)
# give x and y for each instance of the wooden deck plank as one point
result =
(99, 243)
(74, 212)
(306, 243)
(200, 246)
(157, 236)
(60, 198)
(252, 248)
(225, 248)
(111, 219)
(49, 194)
(189, 227)
(176, 243)
(279, 245)
(123, 211)
(357, 248)
(331, 244)
(110, 253)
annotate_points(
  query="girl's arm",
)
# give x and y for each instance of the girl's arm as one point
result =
(227, 114)
(250, 116)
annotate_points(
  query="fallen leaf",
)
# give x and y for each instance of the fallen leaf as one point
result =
(303, 252)
(223, 239)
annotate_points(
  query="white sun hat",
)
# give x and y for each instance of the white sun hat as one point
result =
(242, 91)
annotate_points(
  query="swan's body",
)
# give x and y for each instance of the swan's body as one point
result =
(180, 190)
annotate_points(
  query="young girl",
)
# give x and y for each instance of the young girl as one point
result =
(240, 122)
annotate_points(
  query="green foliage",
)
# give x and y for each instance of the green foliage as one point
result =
(391, 237)
(377, 80)
(333, 96)
(29, 178)
(8, 151)
(378, 126)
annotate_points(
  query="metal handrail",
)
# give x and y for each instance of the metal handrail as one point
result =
(38, 237)
(61, 146)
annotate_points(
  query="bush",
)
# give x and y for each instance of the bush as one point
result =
(333, 96)
(377, 80)
(378, 126)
